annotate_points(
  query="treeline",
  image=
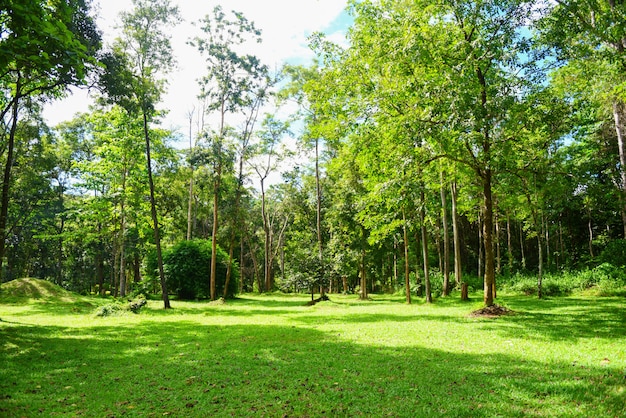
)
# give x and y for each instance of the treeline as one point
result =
(446, 141)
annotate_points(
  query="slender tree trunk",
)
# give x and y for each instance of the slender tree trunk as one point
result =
(497, 242)
(429, 297)
(446, 238)
(395, 258)
(122, 238)
(509, 248)
(190, 201)
(540, 272)
(407, 283)
(318, 188)
(363, 276)
(6, 180)
(267, 244)
(99, 260)
(618, 113)
(521, 245)
(216, 191)
(546, 231)
(456, 235)
(481, 255)
(488, 240)
(155, 220)
(590, 229)
(231, 243)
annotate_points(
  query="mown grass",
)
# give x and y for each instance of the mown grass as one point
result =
(270, 355)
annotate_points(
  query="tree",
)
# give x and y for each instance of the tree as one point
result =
(450, 71)
(139, 56)
(591, 38)
(269, 155)
(44, 48)
(228, 86)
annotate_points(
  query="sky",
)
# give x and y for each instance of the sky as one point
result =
(285, 25)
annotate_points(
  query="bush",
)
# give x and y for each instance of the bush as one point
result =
(614, 253)
(188, 270)
(605, 279)
(110, 309)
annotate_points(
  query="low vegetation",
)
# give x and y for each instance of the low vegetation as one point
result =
(272, 355)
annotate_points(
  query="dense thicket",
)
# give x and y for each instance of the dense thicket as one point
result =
(445, 142)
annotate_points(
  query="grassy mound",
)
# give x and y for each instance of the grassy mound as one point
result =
(29, 288)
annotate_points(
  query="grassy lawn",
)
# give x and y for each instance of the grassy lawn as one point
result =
(271, 355)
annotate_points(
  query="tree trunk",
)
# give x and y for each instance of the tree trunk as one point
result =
(231, 243)
(446, 239)
(521, 245)
(489, 278)
(216, 192)
(590, 229)
(407, 283)
(190, 201)
(267, 244)
(122, 238)
(318, 189)
(618, 113)
(481, 255)
(363, 295)
(540, 272)
(155, 220)
(509, 248)
(429, 297)
(6, 180)
(456, 235)
(497, 243)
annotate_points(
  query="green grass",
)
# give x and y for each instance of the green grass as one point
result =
(272, 356)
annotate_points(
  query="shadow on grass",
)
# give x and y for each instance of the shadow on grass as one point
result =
(184, 368)
(569, 318)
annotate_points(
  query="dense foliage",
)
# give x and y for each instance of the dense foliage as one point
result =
(187, 270)
(444, 143)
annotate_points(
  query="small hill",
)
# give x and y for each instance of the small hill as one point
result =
(29, 288)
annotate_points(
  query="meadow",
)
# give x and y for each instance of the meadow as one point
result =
(271, 355)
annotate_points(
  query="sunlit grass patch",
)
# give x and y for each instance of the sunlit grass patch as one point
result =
(272, 355)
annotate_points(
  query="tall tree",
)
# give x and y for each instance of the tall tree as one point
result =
(44, 48)
(231, 78)
(591, 36)
(139, 57)
(269, 155)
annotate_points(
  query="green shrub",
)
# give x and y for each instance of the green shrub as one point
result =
(614, 253)
(188, 270)
(136, 305)
(110, 309)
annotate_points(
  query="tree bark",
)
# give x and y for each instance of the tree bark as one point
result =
(155, 220)
(489, 278)
(456, 235)
(618, 113)
(407, 283)
(318, 189)
(429, 297)
(446, 239)
(6, 180)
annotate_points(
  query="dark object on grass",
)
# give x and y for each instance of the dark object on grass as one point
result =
(314, 301)
(492, 311)
(136, 305)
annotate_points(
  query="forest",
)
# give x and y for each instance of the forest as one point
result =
(447, 145)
